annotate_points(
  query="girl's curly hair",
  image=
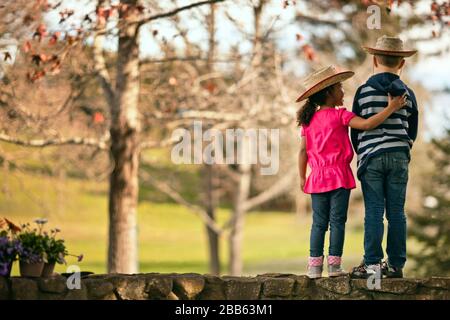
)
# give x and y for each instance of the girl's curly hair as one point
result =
(306, 112)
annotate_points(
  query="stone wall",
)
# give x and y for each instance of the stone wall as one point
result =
(157, 286)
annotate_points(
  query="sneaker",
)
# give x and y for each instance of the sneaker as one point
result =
(315, 267)
(334, 267)
(389, 271)
(364, 271)
(315, 272)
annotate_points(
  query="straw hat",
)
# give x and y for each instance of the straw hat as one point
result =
(321, 79)
(390, 46)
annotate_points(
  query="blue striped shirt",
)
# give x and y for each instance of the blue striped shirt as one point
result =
(397, 132)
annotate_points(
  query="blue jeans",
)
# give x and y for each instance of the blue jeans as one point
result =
(329, 208)
(384, 186)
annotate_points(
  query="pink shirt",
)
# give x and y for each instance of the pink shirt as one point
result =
(329, 151)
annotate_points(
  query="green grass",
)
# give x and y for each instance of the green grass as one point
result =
(171, 237)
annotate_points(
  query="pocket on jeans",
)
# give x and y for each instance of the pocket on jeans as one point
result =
(400, 171)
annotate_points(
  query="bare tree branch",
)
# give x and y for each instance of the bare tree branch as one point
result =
(166, 189)
(39, 143)
(176, 11)
(276, 189)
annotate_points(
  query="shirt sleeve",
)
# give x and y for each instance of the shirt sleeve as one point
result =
(356, 109)
(346, 116)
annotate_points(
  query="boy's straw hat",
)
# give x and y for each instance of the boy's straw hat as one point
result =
(321, 79)
(389, 46)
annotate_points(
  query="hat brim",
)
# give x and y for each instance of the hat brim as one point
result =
(329, 81)
(403, 53)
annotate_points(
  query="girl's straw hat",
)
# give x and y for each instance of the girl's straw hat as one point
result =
(390, 46)
(321, 79)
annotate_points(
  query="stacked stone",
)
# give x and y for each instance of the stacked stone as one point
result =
(191, 286)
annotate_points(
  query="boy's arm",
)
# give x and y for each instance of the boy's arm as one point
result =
(302, 162)
(356, 110)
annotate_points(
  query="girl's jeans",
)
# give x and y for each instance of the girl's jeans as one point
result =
(329, 208)
(384, 186)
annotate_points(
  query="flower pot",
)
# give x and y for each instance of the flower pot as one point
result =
(48, 269)
(8, 270)
(31, 269)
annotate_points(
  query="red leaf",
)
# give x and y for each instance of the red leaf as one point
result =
(54, 38)
(434, 6)
(210, 86)
(27, 46)
(309, 52)
(55, 68)
(98, 117)
(36, 75)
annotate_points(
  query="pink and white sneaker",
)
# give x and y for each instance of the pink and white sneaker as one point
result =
(315, 267)
(334, 267)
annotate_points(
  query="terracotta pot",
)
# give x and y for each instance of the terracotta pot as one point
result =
(31, 269)
(48, 270)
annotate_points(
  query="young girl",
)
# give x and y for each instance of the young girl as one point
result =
(326, 147)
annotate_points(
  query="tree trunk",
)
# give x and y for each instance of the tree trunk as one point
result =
(243, 191)
(125, 128)
(213, 237)
(242, 194)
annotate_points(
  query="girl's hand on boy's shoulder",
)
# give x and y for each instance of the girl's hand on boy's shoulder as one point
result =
(398, 102)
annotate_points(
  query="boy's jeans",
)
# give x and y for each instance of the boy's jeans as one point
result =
(329, 208)
(384, 185)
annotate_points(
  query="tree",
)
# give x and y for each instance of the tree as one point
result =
(431, 227)
(123, 140)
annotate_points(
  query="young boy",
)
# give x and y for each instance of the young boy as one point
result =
(383, 156)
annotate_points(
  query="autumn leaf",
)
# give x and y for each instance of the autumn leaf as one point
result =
(210, 87)
(87, 18)
(434, 7)
(7, 56)
(98, 117)
(309, 52)
(27, 46)
(41, 31)
(54, 38)
(36, 59)
(36, 75)
(12, 226)
(55, 68)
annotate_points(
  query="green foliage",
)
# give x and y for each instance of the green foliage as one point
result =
(55, 248)
(431, 228)
(32, 241)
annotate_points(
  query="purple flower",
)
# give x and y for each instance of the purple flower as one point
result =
(80, 257)
(3, 269)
